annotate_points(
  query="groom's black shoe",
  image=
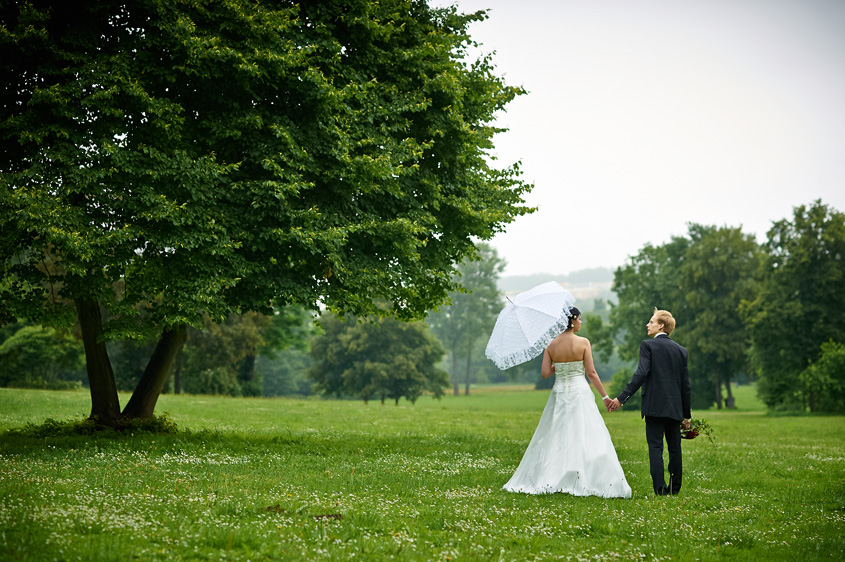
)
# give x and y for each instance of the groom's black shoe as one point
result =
(664, 491)
(675, 484)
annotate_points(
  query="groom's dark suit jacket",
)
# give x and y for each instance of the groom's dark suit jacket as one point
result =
(662, 372)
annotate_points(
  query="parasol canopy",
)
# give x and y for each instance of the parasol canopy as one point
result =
(528, 324)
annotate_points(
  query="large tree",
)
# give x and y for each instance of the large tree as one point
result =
(659, 277)
(651, 278)
(377, 359)
(228, 349)
(718, 276)
(466, 322)
(800, 305)
(163, 160)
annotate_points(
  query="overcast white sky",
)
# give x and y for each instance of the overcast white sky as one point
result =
(645, 115)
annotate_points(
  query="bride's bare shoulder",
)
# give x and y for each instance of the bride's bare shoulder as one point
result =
(558, 338)
(584, 346)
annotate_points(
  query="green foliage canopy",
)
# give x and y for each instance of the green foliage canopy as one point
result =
(466, 322)
(702, 279)
(225, 157)
(652, 278)
(719, 275)
(286, 373)
(800, 305)
(225, 353)
(39, 357)
(827, 378)
(383, 359)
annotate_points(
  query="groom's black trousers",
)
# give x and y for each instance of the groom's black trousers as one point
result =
(655, 430)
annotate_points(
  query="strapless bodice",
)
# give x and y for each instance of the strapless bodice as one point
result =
(568, 375)
(570, 368)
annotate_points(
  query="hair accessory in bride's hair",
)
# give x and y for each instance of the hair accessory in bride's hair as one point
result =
(570, 318)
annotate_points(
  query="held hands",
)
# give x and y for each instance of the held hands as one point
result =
(686, 424)
(612, 405)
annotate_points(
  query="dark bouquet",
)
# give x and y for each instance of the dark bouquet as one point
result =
(696, 428)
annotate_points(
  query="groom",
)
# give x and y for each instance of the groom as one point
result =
(662, 372)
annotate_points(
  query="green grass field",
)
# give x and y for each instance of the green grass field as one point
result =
(288, 479)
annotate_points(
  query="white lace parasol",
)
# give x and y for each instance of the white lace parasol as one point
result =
(528, 323)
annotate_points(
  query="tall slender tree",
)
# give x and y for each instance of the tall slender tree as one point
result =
(466, 322)
(719, 275)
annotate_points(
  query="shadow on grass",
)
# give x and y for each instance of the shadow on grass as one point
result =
(83, 434)
(157, 425)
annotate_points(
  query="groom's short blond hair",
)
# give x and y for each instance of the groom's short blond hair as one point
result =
(665, 317)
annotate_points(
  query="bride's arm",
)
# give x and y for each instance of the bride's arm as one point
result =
(547, 369)
(590, 367)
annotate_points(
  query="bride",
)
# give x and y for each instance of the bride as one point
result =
(571, 450)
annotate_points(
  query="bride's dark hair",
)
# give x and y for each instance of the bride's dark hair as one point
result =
(573, 314)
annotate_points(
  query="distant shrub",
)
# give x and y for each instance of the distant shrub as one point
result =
(825, 379)
(39, 357)
(217, 380)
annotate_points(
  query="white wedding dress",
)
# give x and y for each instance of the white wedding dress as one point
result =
(571, 450)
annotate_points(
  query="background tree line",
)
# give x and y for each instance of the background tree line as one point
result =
(771, 313)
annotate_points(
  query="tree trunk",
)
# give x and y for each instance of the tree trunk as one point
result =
(729, 402)
(246, 370)
(246, 376)
(456, 388)
(105, 406)
(143, 401)
(469, 364)
(719, 394)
